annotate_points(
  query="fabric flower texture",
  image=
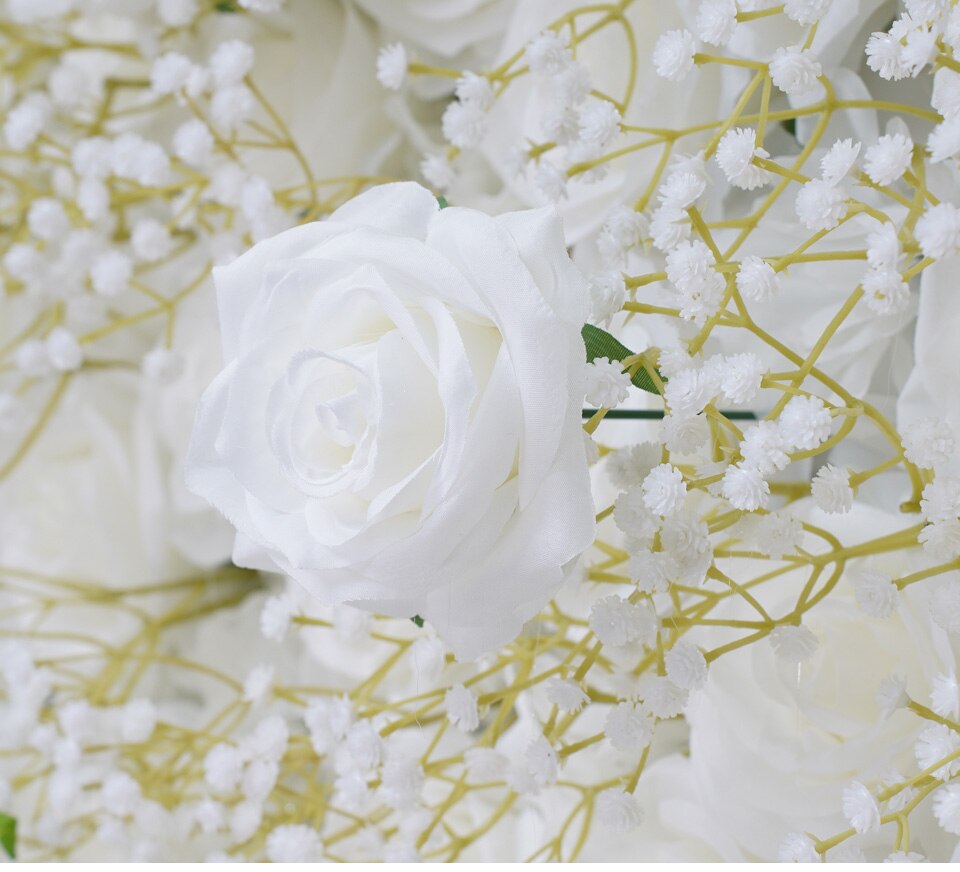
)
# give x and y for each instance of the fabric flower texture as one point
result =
(398, 422)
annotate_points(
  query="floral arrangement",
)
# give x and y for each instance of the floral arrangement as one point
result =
(495, 430)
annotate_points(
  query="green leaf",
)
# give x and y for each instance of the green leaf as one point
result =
(417, 620)
(599, 343)
(8, 835)
(225, 6)
(442, 201)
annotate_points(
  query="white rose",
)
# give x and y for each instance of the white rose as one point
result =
(398, 422)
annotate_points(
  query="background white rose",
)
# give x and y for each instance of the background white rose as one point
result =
(398, 423)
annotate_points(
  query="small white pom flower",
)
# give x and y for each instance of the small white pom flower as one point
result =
(669, 227)
(438, 171)
(111, 273)
(257, 684)
(599, 123)
(945, 605)
(805, 423)
(623, 229)
(891, 694)
(223, 767)
(778, 534)
(401, 781)
(794, 70)
(47, 219)
(757, 280)
(541, 762)
(940, 500)
(745, 487)
(942, 539)
(935, 742)
(550, 181)
(328, 720)
(63, 350)
(548, 54)
(119, 794)
(26, 120)
(889, 158)
(231, 106)
(885, 292)
(618, 622)
(138, 720)
(806, 12)
(945, 696)
(607, 385)
(946, 93)
(628, 467)
(839, 160)
(716, 21)
(294, 843)
(938, 231)
(169, 73)
(231, 61)
(628, 727)
(461, 706)
(681, 190)
(831, 490)
(618, 810)
(275, 617)
(684, 434)
(860, 808)
(150, 240)
(741, 377)
(663, 699)
(686, 666)
(392, 66)
(193, 143)
(876, 594)
(885, 56)
(177, 13)
(946, 808)
(944, 140)
(664, 490)
(793, 645)
(928, 442)
(163, 365)
(820, 205)
(632, 517)
(797, 848)
(566, 695)
(607, 295)
(474, 90)
(735, 153)
(464, 124)
(652, 571)
(673, 54)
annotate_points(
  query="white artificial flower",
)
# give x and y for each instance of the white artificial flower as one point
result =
(541, 762)
(294, 843)
(946, 807)
(860, 808)
(805, 422)
(928, 442)
(745, 487)
(889, 158)
(405, 233)
(806, 11)
(716, 21)
(757, 280)
(62, 350)
(831, 489)
(548, 54)
(798, 848)
(566, 694)
(673, 54)
(938, 231)
(607, 295)
(944, 140)
(945, 695)
(820, 205)
(885, 291)
(876, 594)
(606, 385)
(664, 490)
(461, 705)
(735, 153)
(686, 666)
(629, 727)
(617, 622)
(794, 70)
(392, 66)
(839, 160)
(663, 699)
(618, 810)
(792, 644)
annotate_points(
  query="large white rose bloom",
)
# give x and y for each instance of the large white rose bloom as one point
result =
(398, 422)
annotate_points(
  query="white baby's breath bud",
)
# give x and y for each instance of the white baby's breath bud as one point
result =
(764, 448)
(669, 227)
(885, 291)
(938, 231)
(26, 120)
(392, 65)
(891, 694)
(686, 666)
(860, 808)
(177, 13)
(663, 699)
(889, 158)
(461, 706)
(628, 467)
(946, 807)
(944, 140)
(885, 56)
(942, 539)
(618, 810)
(684, 434)
(778, 534)
(757, 280)
(617, 622)
(111, 273)
(735, 153)
(745, 488)
(193, 143)
(606, 384)
(257, 684)
(797, 848)
(541, 762)
(548, 54)
(550, 181)
(151, 241)
(806, 11)
(119, 794)
(945, 605)
(275, 617)
(946, 93)
(651, 571)
(599, 122)
(805, 423)
(464, 124)
(673, 54)
(63, 350)
(47, 219)
(231, 105)
(794, 70)
(876, 594)
(163, 365)
(223, 767)
(831, 490)
(839, 160)
(934, 743)
(566, 695)
(681, 190)
(945, 695)
(741, 375)
(629, 727)
(169, 73)
(820, 205)
(793, 645)
(664, 490)
(231, 61)
(438, 171)
(940, 500)
(716, 21)
(632, 517)
(294, 843)
(928, 442)
(607, 295)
